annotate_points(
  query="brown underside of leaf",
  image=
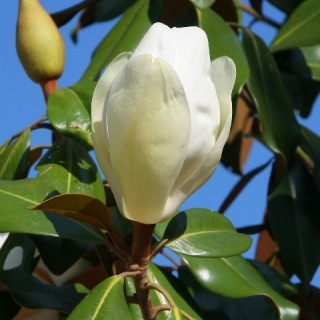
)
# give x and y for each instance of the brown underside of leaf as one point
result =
(238, 146)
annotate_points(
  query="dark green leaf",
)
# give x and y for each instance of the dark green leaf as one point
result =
(17, 252)
(222, 308)
(106, 301)
(286, 5)
(293, 214)
(34, 294)
(9, 308)
(17, 263)
(201, 232)
(109, 9)
(130, 291)
(203, 4)
(234, 277)
(311, 145)
(120, 223)
(17, 196)
(59, 254)
(64, 16)
(70, 116)
(300, 28)
(125, 36)
(14, 157)
(304, 61)
(266, 87)
(68, 167)
(302, 92)
(277, 281)
(224, 42)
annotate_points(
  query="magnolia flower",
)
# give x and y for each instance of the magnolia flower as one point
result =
(161, 116)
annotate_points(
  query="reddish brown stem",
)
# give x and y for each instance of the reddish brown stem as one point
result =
(139, 259)
(48, 87)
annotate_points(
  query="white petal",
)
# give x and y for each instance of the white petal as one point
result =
(193, 67)
(149, 131)
(158, 42)
(100, 143)
(223, 75)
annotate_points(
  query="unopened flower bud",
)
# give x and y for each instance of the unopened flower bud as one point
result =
(39, 43)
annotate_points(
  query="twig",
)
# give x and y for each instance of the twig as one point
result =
(117, 251)
(252, 229)
(157, 287)
(164, 307)
(258, 16)
(169, 257)
(32, 126)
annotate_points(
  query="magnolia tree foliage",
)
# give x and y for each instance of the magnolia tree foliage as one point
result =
(81, 247)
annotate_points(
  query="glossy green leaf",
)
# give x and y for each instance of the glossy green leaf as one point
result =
(293, 215)
(130, 291)
(68, 167)
(120, 223)
(205, 233)
(215, 306)
(266, 87)
(234, 277)
(304, 61)
(276, 280)
(311, 145)
(176, 290)
(70, 116)
(224, 42)
(59, 254)
(17, 196)
(203, 4)
(125, 36)
(105, 301)
(14, 157)
(301, 27)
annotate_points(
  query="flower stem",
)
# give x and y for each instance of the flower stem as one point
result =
(139, 260)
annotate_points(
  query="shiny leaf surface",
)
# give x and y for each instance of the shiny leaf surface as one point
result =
(17, 196)
(201, 232)
(68, 167)
(203, 4)
(105, 301)
(266, 87)
(14, 157)
(70, 116)
(299, 29)
(234, 277)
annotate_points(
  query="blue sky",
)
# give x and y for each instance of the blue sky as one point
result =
(22, 103)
